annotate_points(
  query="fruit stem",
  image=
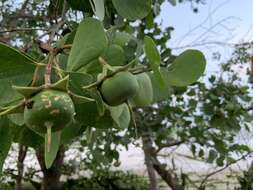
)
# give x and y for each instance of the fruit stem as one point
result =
(49, 136)
(139, 70)
(132, 118)
(48, 69)
(106, 66)
(48, 75)
(35, 76)
(12, 109)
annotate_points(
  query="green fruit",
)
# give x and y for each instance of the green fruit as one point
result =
(49, 109)
(119, 88)
(144, 96)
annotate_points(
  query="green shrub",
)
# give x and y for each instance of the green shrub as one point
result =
(246, 181)
(108, 180)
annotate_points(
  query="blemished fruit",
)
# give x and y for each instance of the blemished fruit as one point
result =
(119, 88)
(49, 109)
(144, 95)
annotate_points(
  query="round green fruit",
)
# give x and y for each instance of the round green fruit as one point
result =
(144, 96)
(119, 88)
(49, 109)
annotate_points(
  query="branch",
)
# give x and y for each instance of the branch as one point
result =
(221, 169)
(204, 44)
(22, 30)
(169, 144)
(167, 175)
(58, 25)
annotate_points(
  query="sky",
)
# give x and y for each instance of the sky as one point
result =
(217, 22)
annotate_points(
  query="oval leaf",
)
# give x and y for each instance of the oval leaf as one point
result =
(186, 69)
(6, 140)
(114, 55)
(71, 131)
(15, 68)
(132, 9)
(27, 137)
(89, 42)
(154, 58)
(121, 115)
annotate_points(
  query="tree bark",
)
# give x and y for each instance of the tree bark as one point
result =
(51, 176)
(151, 172)
(167, 175)
(20, 165)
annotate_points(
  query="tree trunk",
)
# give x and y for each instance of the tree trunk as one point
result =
(20, 165)
(151, 172)
(167, 175)
(51, 176)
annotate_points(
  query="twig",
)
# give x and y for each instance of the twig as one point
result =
(140, 70)
(221, 169)
(58, 25)
(66, 46)
(167, 145)
(204, 44)
(104, 63)
(48, 70)
(22, 30)
(35, 76)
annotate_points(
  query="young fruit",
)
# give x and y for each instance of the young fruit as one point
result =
(49, 109)
(119, 88)
(144, 96)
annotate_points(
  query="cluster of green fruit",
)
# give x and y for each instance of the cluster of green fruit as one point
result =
(51, 109)
(124, 86)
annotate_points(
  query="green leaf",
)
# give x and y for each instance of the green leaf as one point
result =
(121, 115)
(114, 55)
(16, 107)
(90, 41)
(154, 58)
(149, 21)
(80, 99)
(6, 140)
(86, 113)
(186, 69)
(212, 156)
(71, 131)
(121, 38)
(26, 91)
(17, 118)
(132, 9)
(27, 137)
(173, 2)
(98, 8)
(220, 161)
(105, 121)
(159, 92)
(152, 52)
(62, 84)
(81, 5)
(99, 101)
(50, 155)
(77, 81)
(15, 69)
